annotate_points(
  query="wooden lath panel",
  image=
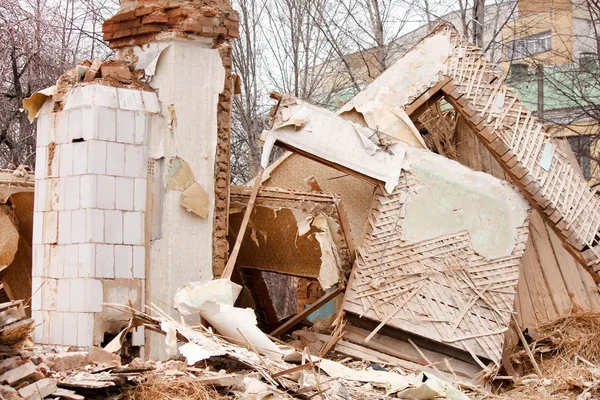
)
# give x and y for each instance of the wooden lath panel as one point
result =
(438, 288)
(517, 138)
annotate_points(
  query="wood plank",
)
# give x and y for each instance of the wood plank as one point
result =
(538, 291)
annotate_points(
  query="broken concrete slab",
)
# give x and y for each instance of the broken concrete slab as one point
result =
(27, 372)
(38, 390)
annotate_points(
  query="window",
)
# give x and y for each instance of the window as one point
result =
(581, 147)
(529, 45)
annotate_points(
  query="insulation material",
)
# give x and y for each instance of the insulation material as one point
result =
(214, 301)
(295, 233)
(380, 104)
(352, 146)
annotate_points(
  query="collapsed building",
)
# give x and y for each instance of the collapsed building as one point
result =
(420, 259)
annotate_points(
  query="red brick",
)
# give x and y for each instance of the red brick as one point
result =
(145, 10)
(110, 27)
(123, 33)
(176, 20)
(190, 26)
(221, 30)
(233, 33)
(155, 18)
(175, 12)
(126, 16)
(134, 23)
(151, 28)
(208, 11)
(229, 23)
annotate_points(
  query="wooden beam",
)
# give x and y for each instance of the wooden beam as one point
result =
(306, 312)
(424, 101)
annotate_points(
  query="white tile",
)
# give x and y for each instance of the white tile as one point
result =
(139, 262)
(133, 226)
(125, 126)
(41, 162)
(39, 326)
(42, 131)
(89, 123)
(36, 293)
(107, 124)
(94, 295)
(56, 320)
(69, 329)
(123, 262)
(63, 294)
(124, 194)
(50, 228)
(78, 226)
(38, 227)
(85, 329)
(42, 197)
(64, 227)
(74, 125)
(96, 157)
(139, 194)
(113, 226)
(130, 99)
(78, 295)
(61, 189)
(80, 158)
(106, 96)
(94, 225)
(71, 254)
(39, 259)
(115, 158)
(87, 260)
(140, 127)
(66, 159)
(105, 261)
(136, 163)
(87, 187)
(61, 125)
(137, 336)
(106, 192)
(72, 192)
(151, 102)
(57, 261)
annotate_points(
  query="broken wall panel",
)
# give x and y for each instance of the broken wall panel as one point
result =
(430, 264)
(296, 233)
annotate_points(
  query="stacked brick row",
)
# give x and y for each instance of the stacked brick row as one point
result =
(89, 208)
(142, 24)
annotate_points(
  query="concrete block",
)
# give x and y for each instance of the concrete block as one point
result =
(71, 254)
(74, 125)
(38, 390)
(106, 96)
(85, 329)
(106, 192)
(94, 226)
(100, 356)
(94, 296)
(124, 194)
(50, 227)
(41, 162)
(105, 261)
(72, 191)
(87, 260)
(113, 226)
(66, 361)
(87, 191)
(151, 102)
(89, 123)
(78, 295)
(133, 228)
(27, 372)
(78, 226)
(66, 159)
(139, 194)
(125, 126)
(64, 227)
(136, 163)
(80, 158)
(140, 127)
(63, 294)
(107, 124)
(115, 159)
(69, 329)
(97, 157)
(130, 99)
(139, 262)
(123, 262)
(10, 363)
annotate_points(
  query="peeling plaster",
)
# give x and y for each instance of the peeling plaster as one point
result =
(453, 198)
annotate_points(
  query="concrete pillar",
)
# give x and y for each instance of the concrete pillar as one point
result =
(184, 49)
